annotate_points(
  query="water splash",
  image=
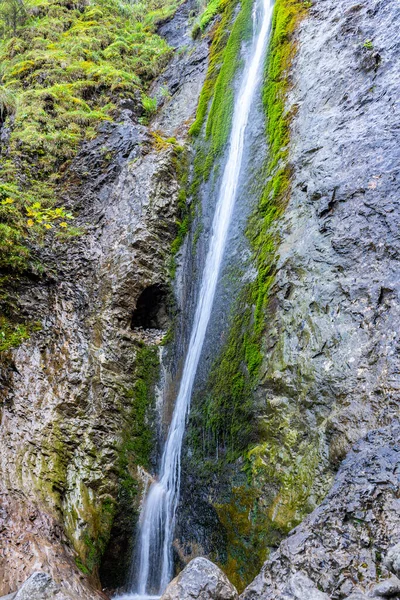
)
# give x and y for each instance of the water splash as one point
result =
(154, 568)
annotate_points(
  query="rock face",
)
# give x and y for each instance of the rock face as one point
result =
(331, 370)
(341, 546)
(73, 434)
(200, 580)
(40, 586)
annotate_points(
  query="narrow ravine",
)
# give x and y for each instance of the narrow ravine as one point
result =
(152, 567)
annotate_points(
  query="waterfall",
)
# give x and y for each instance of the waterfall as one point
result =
(153, 562)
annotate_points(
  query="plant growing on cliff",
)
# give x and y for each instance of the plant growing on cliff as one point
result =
(64, 68)
(227, 413)
(12, 15)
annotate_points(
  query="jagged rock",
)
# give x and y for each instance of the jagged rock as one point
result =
(200, 580)
(388, 588)
(392, 560)
(340, 542)
(331, 364)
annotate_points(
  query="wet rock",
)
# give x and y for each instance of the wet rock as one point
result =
(200, 580)
(341, 542)
(392, 560)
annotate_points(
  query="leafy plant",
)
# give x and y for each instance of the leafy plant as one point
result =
(64, 67)
(12, 15)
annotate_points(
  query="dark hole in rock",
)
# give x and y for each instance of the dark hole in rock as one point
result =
(151, 310)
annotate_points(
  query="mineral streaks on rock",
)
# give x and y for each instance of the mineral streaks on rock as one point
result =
(200, 580)
(340, 547)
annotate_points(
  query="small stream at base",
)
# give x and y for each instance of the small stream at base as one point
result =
(152, 568)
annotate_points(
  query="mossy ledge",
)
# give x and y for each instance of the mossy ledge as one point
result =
(64, 69)
(227, 415)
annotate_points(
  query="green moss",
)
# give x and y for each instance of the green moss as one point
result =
(62, 73)
(215, 105)
(97, 513)
(237, 370)
(225, 424)
(138, 436)
(138, 442)
(249, 532)
(81, 566)
(12, 333)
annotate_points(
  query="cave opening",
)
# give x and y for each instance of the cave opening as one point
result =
(151, 310)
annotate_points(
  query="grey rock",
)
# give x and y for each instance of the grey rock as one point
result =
(392, 560)
(388, 588)
(200, 580)
(300, 587)
(338, 543)
(357, 595)
(332, 338)
(39, 586)
(8, 597)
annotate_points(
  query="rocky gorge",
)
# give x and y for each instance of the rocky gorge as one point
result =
(291, 458)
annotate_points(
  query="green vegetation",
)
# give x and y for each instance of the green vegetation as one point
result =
(225, 425)
(213, 8)
(12, 334)
(138, 436)
(12, 15)
(228, 410)
(368, 45)
(62, 73)
(215, 106)
(63, 68)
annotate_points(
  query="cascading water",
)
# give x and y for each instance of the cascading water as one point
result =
(153, 569)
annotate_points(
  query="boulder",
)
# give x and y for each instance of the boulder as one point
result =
(300, 587)
(200, 580)
(39, 586)
(392, 560)
(387, 588)
(335, 546)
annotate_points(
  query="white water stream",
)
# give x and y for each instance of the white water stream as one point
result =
(154, 568)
